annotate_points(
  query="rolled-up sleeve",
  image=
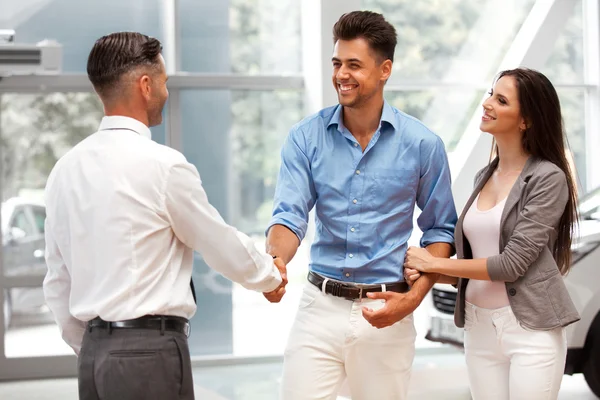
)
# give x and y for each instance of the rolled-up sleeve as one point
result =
(295, 193)
(434, 197)
(542, 211)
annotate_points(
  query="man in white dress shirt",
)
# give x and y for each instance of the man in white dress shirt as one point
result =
(124, 216)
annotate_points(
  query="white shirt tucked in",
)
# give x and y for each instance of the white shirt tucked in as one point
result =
(124, 215)
(482, 230)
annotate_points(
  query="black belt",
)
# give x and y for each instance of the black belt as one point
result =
(353, 291)
(154, 322)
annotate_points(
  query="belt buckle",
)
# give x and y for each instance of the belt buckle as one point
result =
(360, 294)
(352, 291)
(187, 330)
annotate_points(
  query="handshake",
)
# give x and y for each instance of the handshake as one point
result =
(276, 295)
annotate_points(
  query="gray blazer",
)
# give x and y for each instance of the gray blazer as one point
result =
(528, 231)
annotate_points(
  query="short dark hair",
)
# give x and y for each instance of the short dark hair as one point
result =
(117, 54)
(372, 27)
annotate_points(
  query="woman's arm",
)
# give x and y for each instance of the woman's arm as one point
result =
(541, 213)
(411, 275)
(421, 260)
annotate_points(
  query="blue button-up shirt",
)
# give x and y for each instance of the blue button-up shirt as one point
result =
(364, 200)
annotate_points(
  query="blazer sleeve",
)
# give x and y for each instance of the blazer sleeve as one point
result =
(544, 206)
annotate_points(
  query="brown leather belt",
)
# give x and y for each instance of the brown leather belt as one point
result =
(153, 322)
(353, 291)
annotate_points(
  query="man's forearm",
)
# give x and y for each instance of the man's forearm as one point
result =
(442, 250)
(421, 287)
(282, 242)
(450, 280)
(424, 284)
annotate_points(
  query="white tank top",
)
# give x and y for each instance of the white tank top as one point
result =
(482, 230)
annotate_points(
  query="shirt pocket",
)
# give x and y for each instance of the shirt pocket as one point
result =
(394, 189)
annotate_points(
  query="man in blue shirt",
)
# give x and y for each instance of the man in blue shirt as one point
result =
(363, 165)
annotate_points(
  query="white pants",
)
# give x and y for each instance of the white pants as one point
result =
(507, 361)
(331, 340)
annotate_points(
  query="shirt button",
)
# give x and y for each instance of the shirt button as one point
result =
(347, 274)
(355, 144)
(350, 255)
(355, 201)
(358, 172)
(512, 291)
(352, 229)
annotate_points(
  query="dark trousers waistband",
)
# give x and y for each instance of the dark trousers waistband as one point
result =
(352, 291)
(161, 323)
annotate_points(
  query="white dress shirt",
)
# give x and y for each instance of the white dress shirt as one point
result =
(124, 215)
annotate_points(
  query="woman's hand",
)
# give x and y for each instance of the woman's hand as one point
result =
(411, 275)
(419, 259)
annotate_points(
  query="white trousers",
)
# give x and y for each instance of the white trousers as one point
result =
(331, 340)
(507, 361)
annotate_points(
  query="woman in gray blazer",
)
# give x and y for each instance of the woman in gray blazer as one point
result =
(513, 244)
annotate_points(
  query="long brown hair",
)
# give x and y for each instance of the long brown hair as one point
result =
(545, 138)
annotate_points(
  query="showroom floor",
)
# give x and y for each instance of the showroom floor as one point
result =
(435, 377)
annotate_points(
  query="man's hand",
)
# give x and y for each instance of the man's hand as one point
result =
(276, 295)
(397, 306)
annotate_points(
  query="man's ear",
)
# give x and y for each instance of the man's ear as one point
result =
(145, 84)
(386, 69)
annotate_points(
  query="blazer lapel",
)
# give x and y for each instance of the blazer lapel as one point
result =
(516, 191)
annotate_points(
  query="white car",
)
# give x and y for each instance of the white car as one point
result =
(23, 247)
(583, 337)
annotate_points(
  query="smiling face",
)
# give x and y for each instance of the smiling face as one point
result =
(358, 73)
(502, 111)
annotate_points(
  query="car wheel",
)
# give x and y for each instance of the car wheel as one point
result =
(591, 369)
(7, 310)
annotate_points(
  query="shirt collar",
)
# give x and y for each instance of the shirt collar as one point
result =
(387, 115)
(127, 123)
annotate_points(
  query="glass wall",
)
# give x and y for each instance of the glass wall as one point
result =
(456, 44)
(241, 36)
(565, 69)
(452, 40)
(236, 149)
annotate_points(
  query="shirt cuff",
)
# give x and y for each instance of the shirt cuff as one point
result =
(437, 236)
(292, 222)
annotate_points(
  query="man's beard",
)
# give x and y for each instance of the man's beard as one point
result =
(155, 115)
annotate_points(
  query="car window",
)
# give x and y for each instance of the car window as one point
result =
(39, 216)
(589, 205)
(21, 221)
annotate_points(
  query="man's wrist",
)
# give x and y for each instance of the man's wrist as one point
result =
(414, 298)
(421, 287)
